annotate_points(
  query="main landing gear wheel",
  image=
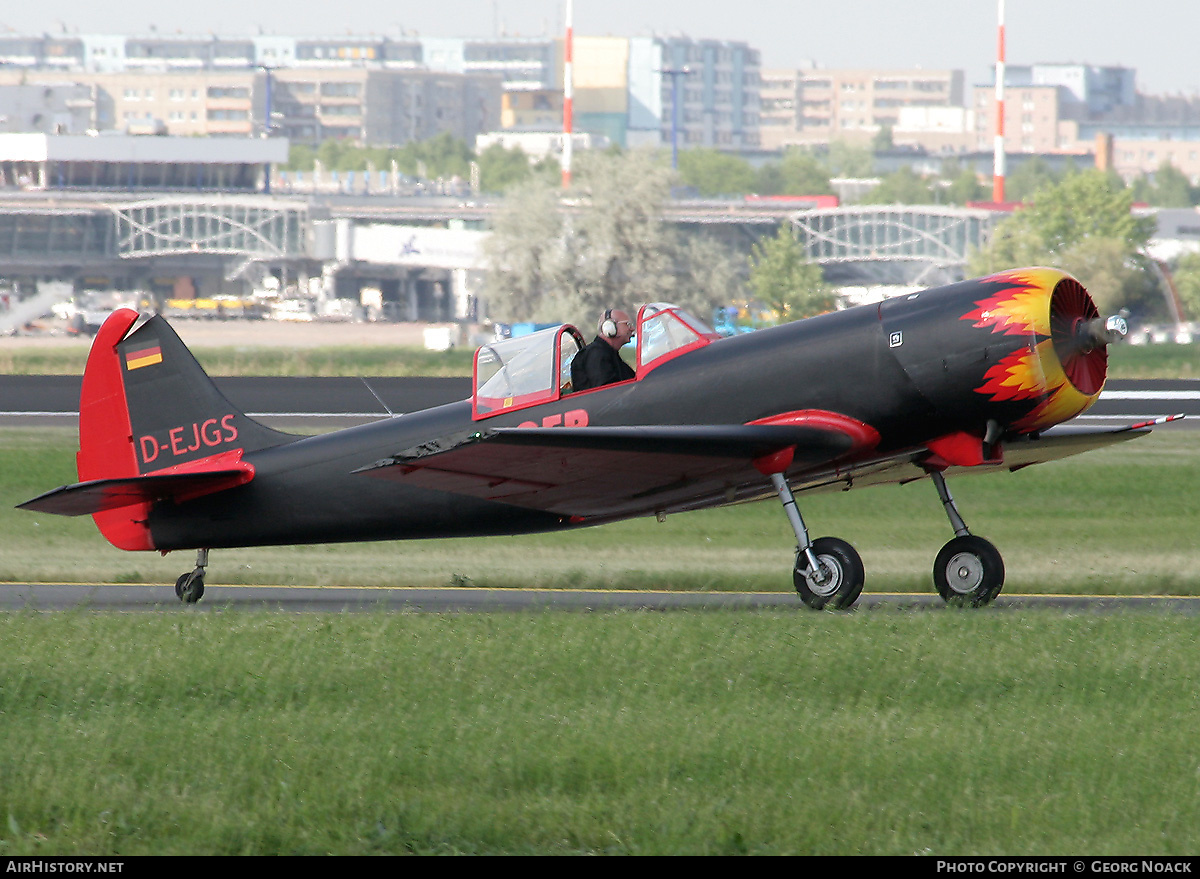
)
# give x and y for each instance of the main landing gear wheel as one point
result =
(968, 571)
(838, 580)
(828, 572)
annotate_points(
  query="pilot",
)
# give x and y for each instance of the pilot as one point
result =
(600, 362)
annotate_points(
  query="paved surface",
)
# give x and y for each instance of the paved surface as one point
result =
(325, 403)
(122, 598)
(54, 399)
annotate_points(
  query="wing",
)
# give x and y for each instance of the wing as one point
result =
(610, 471)
(1052, 444)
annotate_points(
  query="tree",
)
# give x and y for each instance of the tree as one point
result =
(1028, 177)
(442, 155)
(525, 253)
(847, 160)
(500, 168)
(333, 153)
(799, 172)
(803, 173)
(1187, 285)
(621, 249)
(1084, 224)
(785, 281)
(1087, 204)
(961, 184)
(904, 186)
(1114, 277)
(709, 273)
(300, 157)
(768, 179)
(606, 249)
(1168, 187)
(713, 172)
(564, 258)
(882, 140)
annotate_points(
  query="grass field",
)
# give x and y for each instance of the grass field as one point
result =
(883, 733)
(1125, 361)
(272, 361)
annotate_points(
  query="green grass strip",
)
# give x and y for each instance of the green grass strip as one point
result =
(941, 733)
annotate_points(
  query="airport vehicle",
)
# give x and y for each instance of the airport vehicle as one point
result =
(974, 376)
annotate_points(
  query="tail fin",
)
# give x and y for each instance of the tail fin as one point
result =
(148, 411)
(175, 413)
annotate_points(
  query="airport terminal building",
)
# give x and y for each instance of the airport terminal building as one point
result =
(175, 218)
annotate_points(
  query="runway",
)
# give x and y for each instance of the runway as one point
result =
(120, 597)
(317, 403)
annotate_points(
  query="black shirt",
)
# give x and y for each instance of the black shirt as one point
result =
(598, 364)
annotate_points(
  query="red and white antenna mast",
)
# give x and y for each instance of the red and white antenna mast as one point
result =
(568, 92)
(998, 161)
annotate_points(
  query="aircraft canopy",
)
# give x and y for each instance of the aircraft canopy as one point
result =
(536, 368)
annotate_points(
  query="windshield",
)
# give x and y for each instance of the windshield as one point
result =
(665, 329)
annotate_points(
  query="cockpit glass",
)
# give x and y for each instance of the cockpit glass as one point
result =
(528, 369)
(664, 328)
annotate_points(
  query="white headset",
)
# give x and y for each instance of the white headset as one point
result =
(608, 327)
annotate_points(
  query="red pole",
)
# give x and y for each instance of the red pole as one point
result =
(568, 93)
(998, 160)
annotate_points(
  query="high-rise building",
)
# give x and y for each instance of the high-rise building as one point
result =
(668, 90)
(1045, 106)
(366, 90)
(819, 105)
(631, 91)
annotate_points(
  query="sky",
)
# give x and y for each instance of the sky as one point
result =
(1158, 38)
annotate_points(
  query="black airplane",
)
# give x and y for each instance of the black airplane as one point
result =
(973, 376)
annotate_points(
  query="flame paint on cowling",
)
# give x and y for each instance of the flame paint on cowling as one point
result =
(1027, 305)
(1020, 309)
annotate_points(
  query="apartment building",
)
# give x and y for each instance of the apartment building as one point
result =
(779, 102)
(719, 88)
(1033, 121)
(47, 108)
(631, 91)
(181, 102)
(382, 106)
(655, 91)
(117, 52)
(819, 105)
(306, 104)
(1070, 108)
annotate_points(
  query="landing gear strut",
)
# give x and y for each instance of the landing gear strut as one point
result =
(828, 572)
(969, 569)
(190, 586)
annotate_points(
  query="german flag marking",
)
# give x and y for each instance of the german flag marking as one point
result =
(146, 356)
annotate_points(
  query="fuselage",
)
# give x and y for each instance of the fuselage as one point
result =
(913, 369)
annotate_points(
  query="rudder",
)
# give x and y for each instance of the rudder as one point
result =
(147, 406)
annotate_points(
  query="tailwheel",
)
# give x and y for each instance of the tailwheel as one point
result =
(190, 586)
(838, 578)
(968, 571)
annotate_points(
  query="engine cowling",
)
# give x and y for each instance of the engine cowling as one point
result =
(1061, 366)
(1022, 349)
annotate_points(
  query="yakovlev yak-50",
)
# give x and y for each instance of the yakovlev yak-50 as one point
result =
(977, 375)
